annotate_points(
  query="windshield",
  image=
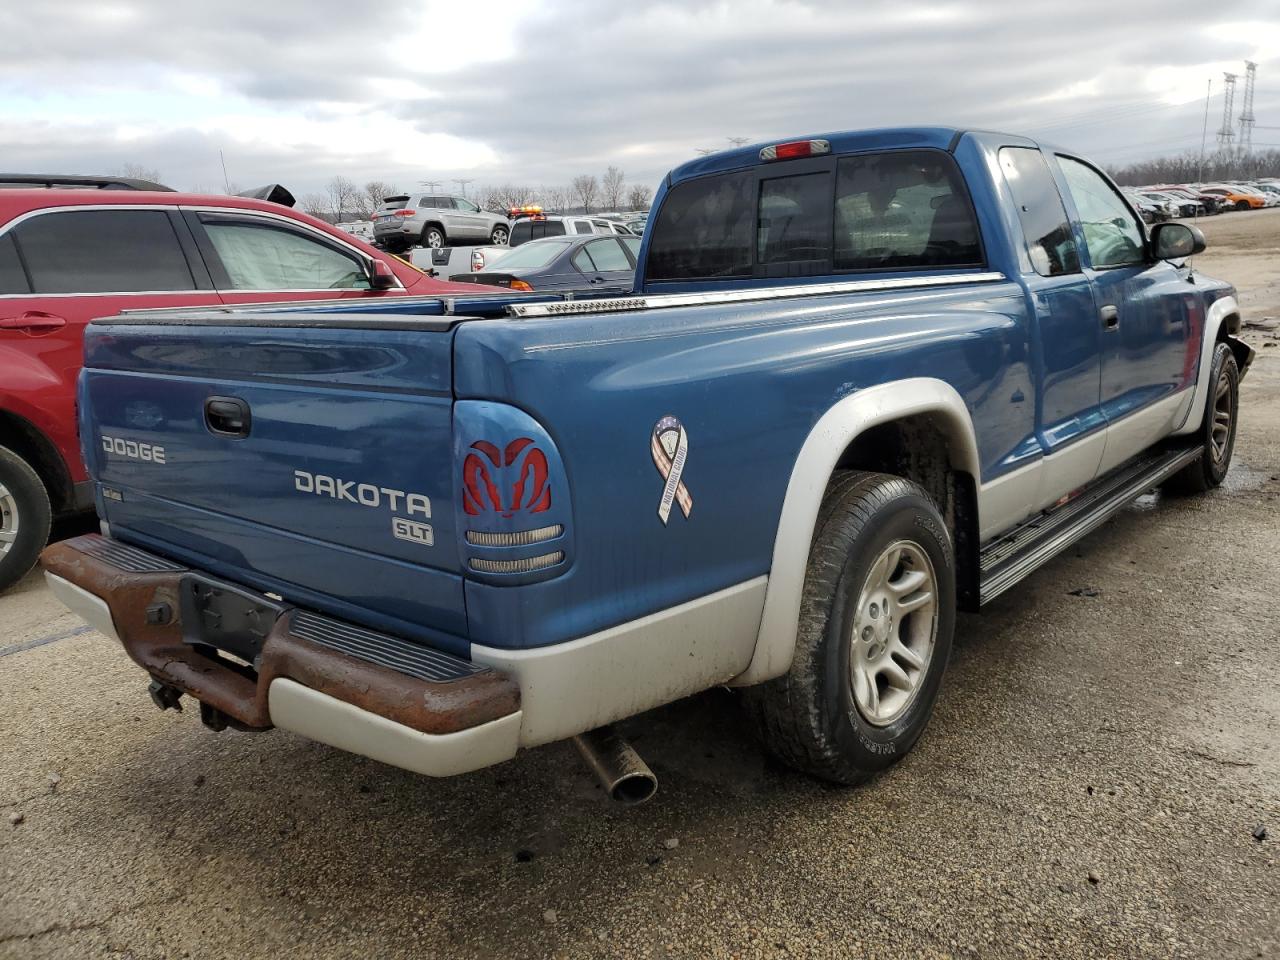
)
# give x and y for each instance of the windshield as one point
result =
(532, 256)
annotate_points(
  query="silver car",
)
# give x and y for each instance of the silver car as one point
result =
(435, 220)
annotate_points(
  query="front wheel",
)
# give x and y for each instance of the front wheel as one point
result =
(876, 619)
(24, 517)
(1217, 430)
(500, 236)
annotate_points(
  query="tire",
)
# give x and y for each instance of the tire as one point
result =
(500, 236)
(25, 516)
(1242, 204)
(1217, 431)
(433, 236)
(817, 717)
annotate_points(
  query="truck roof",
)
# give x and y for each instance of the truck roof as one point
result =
(847, 141)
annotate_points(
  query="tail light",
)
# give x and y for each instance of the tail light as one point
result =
(795, 149)
(477, 261)
(403, 213)
(513, 514)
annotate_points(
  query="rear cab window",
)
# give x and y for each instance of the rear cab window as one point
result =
(874, 212)
(522, 231)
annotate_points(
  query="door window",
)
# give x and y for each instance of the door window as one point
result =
(608, 255)
(1045, 225)
(261, 256)
(13, 279)
(1112, 234)
(103, 251)
(466, 206)
(582, 226)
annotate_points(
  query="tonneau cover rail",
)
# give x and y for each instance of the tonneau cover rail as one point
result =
(654, 301)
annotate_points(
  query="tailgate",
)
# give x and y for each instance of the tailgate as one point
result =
(308, 455)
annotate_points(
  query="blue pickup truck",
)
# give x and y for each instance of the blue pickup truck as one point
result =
(864, 380)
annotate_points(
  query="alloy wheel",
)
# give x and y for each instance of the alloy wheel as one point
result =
(894, 632)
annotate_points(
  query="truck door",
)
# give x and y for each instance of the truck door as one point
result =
(1151, 317)
(1070, 425)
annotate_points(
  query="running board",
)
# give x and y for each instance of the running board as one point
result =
(1025, 549)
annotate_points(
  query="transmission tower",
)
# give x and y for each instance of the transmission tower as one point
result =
(1246, 107)
(1225, 133)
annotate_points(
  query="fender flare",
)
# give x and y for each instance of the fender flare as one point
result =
(826, 442)
(1217, 314)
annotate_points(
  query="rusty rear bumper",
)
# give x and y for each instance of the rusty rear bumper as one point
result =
(352, 688)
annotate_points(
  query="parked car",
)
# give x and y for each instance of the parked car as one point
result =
(86, 247)
(1180, 206)
(863, 381)
(1233, 196)
(595, 264)
(1209, 204)
(1149, 209)
(535, 226)
(433, 220)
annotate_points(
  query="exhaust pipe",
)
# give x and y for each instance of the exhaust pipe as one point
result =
(617, 766)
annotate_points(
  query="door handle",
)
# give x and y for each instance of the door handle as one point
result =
(32, 320)
(228, 417)
(1110, 315)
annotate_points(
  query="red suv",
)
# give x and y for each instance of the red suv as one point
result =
(72, 249)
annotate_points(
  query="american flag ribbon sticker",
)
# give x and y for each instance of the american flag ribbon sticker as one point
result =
(670, 448)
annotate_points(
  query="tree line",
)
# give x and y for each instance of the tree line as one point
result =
(1191, 167)
(343, 199)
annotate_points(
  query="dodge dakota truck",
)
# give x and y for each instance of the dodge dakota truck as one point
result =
(864, 380)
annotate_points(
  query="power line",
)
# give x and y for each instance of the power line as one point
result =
(462, 185)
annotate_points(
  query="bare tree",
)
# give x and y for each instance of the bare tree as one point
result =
(586, 188)
(500, 199)
(611, 188)
(375, 192)
(557, 199)
(137, 171)
(316, 204)
(344, 197)
(639, 197)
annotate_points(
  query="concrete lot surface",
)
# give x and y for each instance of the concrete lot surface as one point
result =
(1090, 786)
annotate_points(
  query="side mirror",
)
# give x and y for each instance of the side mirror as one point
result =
(1176, 241)
(381, 276)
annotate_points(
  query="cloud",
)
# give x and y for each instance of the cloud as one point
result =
(513, 90)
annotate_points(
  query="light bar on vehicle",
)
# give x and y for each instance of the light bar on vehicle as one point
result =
(529, 210)
(795, 149)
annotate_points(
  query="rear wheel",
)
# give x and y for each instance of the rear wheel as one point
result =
(876, 619)
(1217, 431)
(500, 236)
(25, 516)
(433, 237)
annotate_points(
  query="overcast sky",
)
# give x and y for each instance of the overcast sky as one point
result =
(536, 91)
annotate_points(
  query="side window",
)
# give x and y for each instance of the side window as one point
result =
(608, 255)
(13, 279)
(582, 226)
(466, 206)
(633, 245)
(1050, 244)
(582, 260)
(1114, 238)
(793, 225)
(704, 230)
(903, 210)
(261, 256)
(103, 251)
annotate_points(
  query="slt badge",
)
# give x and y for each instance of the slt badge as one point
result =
(670, 448)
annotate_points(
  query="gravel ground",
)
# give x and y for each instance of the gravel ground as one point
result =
(1090, 785)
